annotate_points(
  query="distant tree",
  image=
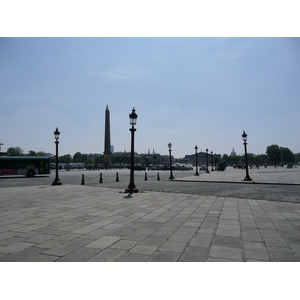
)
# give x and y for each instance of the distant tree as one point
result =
(90, 161)
(225, 157)
(251, 158)
(138, 160)
(77, 157)
(84, 158)
(41, 153)
(120, 159)
(15, 151)
(260, 159)
(231, 160)
(32, 153)
(67, 158)
(287, 155)
(99, 159)
(274, 153)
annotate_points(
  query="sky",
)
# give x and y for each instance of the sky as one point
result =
(197, 72)
(188, 91)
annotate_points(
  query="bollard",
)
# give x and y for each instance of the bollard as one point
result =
(82, 180)
(146, 176)
(100, 181)
(117, 177)
(158, 179)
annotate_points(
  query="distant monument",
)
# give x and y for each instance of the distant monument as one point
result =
(107, 147)
(233, 153)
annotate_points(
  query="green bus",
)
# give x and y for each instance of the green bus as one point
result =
(24, 165)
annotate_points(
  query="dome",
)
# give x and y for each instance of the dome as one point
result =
(232, 152)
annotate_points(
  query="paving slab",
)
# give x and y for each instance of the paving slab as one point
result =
(84, 223)
(270, 175)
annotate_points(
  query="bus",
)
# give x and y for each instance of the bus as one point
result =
(24, 165)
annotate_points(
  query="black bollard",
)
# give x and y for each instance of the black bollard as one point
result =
(82, 180)
(117, 177)
(158, 179)
(100, 181)
(146, 176)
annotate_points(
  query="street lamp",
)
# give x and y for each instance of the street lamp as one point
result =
(244, 136)
(56, 180)
(171, 173)
(196, 149)
(131, 187)
(207, 161)
(211, 161)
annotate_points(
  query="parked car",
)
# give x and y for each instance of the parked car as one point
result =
(202, 168)
(137, 167)
(221, 166)
(183, 168)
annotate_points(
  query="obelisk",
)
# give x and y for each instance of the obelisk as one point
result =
(107, 148)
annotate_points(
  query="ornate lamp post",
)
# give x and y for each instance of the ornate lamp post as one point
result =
(196, 155)
(244, 136)
(171, 173)
(207, 161)
(211, 161)
(131, 187)
(56, 180)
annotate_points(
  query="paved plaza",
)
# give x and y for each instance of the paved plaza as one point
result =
(269, 175)
(97, 224)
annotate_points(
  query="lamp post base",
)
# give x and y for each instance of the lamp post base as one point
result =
(56, 182)
(131, 190)
(247, 179)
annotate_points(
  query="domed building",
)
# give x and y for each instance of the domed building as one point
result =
(233, 153)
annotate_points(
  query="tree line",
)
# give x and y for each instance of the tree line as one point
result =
(87, 159)
(274, 155)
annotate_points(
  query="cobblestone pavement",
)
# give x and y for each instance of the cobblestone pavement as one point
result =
(85, 223)
(270, 175)
(221, 184)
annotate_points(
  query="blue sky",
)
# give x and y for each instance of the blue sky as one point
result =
(186, 91)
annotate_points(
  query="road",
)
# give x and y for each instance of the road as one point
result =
(284, 193)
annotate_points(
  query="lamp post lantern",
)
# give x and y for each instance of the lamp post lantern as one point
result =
(207, 161)
(131, 187)
(196, 155)
(244, 136)
(211, 161)
(56, 180)
(171, 173)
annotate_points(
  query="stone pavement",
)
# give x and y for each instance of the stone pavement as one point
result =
(96, 224)
(270, 175)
